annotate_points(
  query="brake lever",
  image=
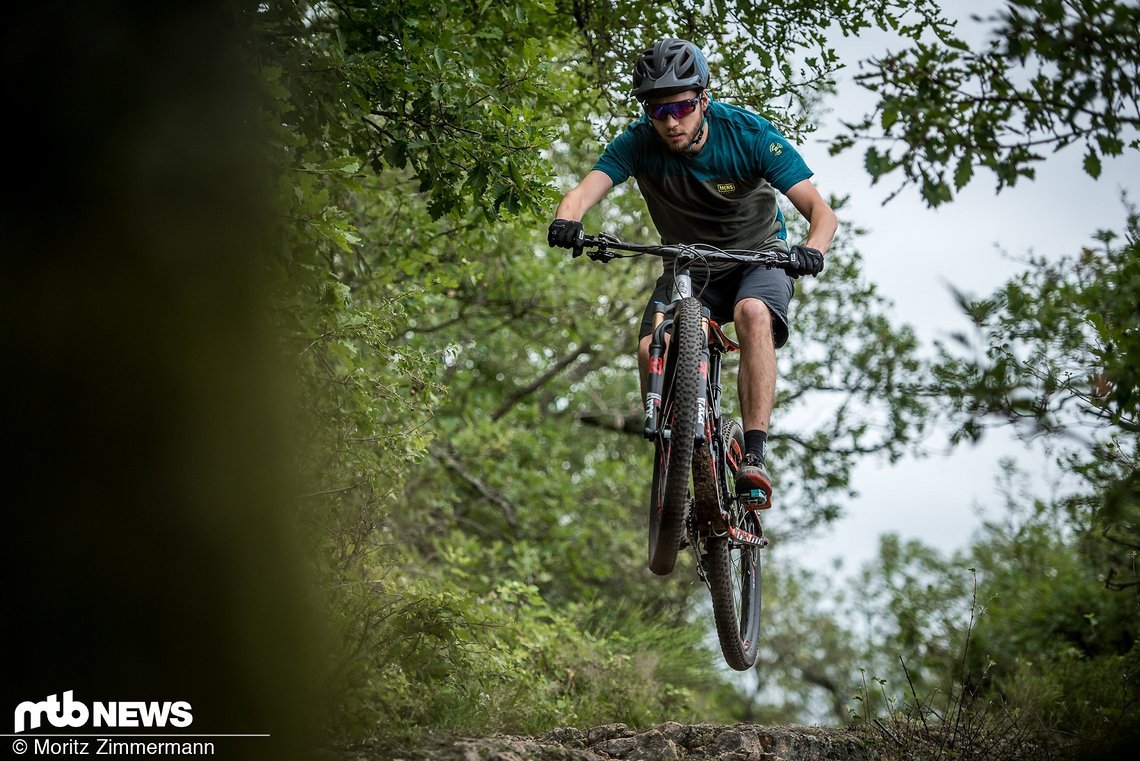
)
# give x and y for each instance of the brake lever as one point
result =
(579, 243)
(602, 252)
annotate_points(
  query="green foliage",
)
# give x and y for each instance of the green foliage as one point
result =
(466, 395)
(916, 609)
(453, 94)
(960, 723)
(778, 59)
(1037, 658)
(1012, 648)
(1061, 644)
(462, 655)
(1055, 357)
(1058, 356)
(1052, 75)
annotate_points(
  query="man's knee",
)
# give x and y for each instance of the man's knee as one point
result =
(643, 346)
(752, 316)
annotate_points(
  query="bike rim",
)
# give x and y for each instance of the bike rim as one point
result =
(745, 563)
(664, 447)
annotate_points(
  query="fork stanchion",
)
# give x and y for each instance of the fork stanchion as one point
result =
(656, 372)
(702, 410)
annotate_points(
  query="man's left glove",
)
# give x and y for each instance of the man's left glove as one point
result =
(566, 233)
(804, 261)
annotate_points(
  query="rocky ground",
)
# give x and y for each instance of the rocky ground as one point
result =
(742, 742)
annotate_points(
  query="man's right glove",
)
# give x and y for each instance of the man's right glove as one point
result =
(804, 261)
(566, 233)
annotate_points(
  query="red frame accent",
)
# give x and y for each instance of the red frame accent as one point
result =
(726, 343)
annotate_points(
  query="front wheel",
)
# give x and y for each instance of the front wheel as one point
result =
(672, 466)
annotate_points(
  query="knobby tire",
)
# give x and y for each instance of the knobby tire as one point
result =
(733, 573)
(673, 463)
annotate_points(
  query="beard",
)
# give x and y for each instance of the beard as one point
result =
(678, 140)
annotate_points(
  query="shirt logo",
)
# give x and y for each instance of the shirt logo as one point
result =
(775, 148)
(726, 187)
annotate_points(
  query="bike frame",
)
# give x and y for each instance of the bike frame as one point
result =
(710, 427)
(709, 431)
(694, 496)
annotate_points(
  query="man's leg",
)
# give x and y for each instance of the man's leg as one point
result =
(643, 366)
(756, 385)
(757, 375)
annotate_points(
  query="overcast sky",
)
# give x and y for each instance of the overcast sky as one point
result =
(911, 253)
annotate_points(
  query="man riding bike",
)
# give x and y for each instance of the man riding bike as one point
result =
(709, 173)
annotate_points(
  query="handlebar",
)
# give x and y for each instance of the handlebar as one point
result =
(600, 248)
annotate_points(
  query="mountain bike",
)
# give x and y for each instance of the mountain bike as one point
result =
(693, 500)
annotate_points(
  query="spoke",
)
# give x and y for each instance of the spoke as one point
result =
(737, 581)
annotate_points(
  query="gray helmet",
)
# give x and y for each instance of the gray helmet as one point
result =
(669, 67)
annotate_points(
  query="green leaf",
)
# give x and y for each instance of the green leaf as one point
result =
(936, 192)
(964, 171)
(1092, 164)
(890, 116)
(873, 161)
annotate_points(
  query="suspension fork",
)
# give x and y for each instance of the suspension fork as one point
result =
(656, 384)
(714, 428)
(713, 387)
(682, 289)
(702, 406)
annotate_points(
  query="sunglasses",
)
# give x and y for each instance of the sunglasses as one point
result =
(678, 110)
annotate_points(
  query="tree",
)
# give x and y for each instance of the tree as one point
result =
(1037, 651)
(465, 390)
(1054, 74)
(1053, 353)
(1059, 356)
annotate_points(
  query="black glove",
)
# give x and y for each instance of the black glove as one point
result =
(804, 261)
(566, 233)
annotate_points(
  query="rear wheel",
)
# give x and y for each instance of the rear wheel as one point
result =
(733, 569)
(672, 465)
(733, 572)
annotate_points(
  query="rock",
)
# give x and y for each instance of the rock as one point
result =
(666, 742)
(737, 744)
(653, 746)
(569, 737)
(607, 732)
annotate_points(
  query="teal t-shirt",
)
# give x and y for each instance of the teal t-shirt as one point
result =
(725, 195)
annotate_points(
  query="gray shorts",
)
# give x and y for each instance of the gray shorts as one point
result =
(725, 289)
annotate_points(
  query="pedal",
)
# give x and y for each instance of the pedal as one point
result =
(756, 499)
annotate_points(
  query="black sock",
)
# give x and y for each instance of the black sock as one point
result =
(756, 442)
